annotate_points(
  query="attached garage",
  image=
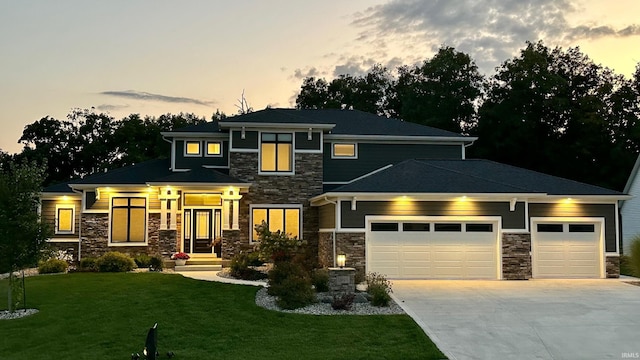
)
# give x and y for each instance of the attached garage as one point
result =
(567, 248)
(433, 248)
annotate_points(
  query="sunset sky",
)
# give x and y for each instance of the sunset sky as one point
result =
(153, 57)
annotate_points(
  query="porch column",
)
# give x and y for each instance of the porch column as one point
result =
(174, 215)
(167, 199)
(163, 215)
(225, 215)
(229, 223)
(236, 214)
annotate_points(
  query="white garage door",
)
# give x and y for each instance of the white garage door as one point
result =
(433, 249)
(566, 250)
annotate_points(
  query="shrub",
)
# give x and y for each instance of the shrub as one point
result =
(344, 302)
(320, 280)
(240, 267)
(625, 265)
(277, 246)
(52, 266)
(279, 274)
(295, 292)
(254, 259)
(634, 256)
(379, 288)
(156, 263)
(142, 260)
(115, 262)
(89, 264)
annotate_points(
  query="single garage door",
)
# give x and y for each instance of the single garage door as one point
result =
(433, 249)
(566, 250)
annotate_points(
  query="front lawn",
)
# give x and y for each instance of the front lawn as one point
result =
(106, 316)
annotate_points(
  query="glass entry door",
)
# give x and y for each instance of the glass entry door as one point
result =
(201, 227)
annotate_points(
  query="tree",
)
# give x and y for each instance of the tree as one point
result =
(442, 92)
(555, 111)
(22, 235)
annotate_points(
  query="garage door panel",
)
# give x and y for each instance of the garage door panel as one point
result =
(567, 254)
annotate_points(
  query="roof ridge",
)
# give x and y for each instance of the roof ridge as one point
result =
(475, 176)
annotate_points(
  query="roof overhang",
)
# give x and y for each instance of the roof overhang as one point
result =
(331, 197)
(439, 139)
(242, 186)
(195, 134)
(288, 125)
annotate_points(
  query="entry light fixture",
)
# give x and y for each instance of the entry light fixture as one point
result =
(341, 260)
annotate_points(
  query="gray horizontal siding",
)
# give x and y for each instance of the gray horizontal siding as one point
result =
(356, 218)
(250, 140)
(606, 211)
(191, 162)
(302, 142)
(374, 156)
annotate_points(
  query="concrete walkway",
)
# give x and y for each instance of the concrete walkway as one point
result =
(212, 276)
(535, 319)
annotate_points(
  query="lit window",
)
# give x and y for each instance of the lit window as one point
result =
(347, 151)
(276, 153)
(128, 219)
(202, 199)
(65, 219)
(214, 149)
(192, 148)
(277, 219)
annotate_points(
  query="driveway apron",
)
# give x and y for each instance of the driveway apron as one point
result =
(535, 319)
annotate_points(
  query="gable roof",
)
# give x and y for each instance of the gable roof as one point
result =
(340, 122)
(148, 172)
(61, 188)
(467, 176)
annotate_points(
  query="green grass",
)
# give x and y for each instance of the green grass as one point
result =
(106, 316)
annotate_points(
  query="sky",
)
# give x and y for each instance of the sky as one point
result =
(153, 56)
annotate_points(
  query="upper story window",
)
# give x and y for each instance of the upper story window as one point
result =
(214, 148)
(344, 151)
(192, 148)
(276, 152)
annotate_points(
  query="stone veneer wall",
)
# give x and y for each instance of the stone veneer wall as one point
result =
(353, 246)
(232, 244)
(70, 248)
(613, 266)
(516, 258)
(278, 189)
(325, 249)
(95, 238)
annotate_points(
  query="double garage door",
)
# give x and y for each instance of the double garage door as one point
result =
(433, 249)
(469, 248)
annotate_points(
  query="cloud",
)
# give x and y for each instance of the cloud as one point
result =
(111, 107)
(491, 31)
(299, 74)
(145, 96)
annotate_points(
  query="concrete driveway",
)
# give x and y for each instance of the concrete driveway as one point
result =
(535, 319)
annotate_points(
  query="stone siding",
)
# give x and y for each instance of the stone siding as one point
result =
(613, 266)
(70, 248)
(279, 189)
(516, 256)
(342, 280)
(95, 238)
(325, 249)
(232, 244)
(353, 246)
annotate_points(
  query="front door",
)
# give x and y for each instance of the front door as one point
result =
(202, 226)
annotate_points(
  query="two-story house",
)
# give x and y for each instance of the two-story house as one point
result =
(395, 197)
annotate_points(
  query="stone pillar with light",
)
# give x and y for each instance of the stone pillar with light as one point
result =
(341, 278)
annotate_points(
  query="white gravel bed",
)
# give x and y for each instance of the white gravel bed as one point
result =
(269, 302)
(6, 315)
(27, 272)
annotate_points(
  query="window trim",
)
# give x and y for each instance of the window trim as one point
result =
(206, 150)
(333, 150)
(292, 155)
(187, 142)
(277, 207)
(146, 219)
(73, 218)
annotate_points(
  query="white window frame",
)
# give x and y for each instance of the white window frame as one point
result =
(333, 150)
(146, 220)
(73, 218)
(206, 150)
(186, 154)
(275, 206)
(293, 152)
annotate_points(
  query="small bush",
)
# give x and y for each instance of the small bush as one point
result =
(281, 272)
(52, 266)
(240, 267)
(625, 265)
(254, 259)
(142, 260)
(295, 292)
(156, 263)
(89, 264)
(634, 256)
(276, 246)
(115, 262)
(320, 280)
(379, 288)
(344, 302)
